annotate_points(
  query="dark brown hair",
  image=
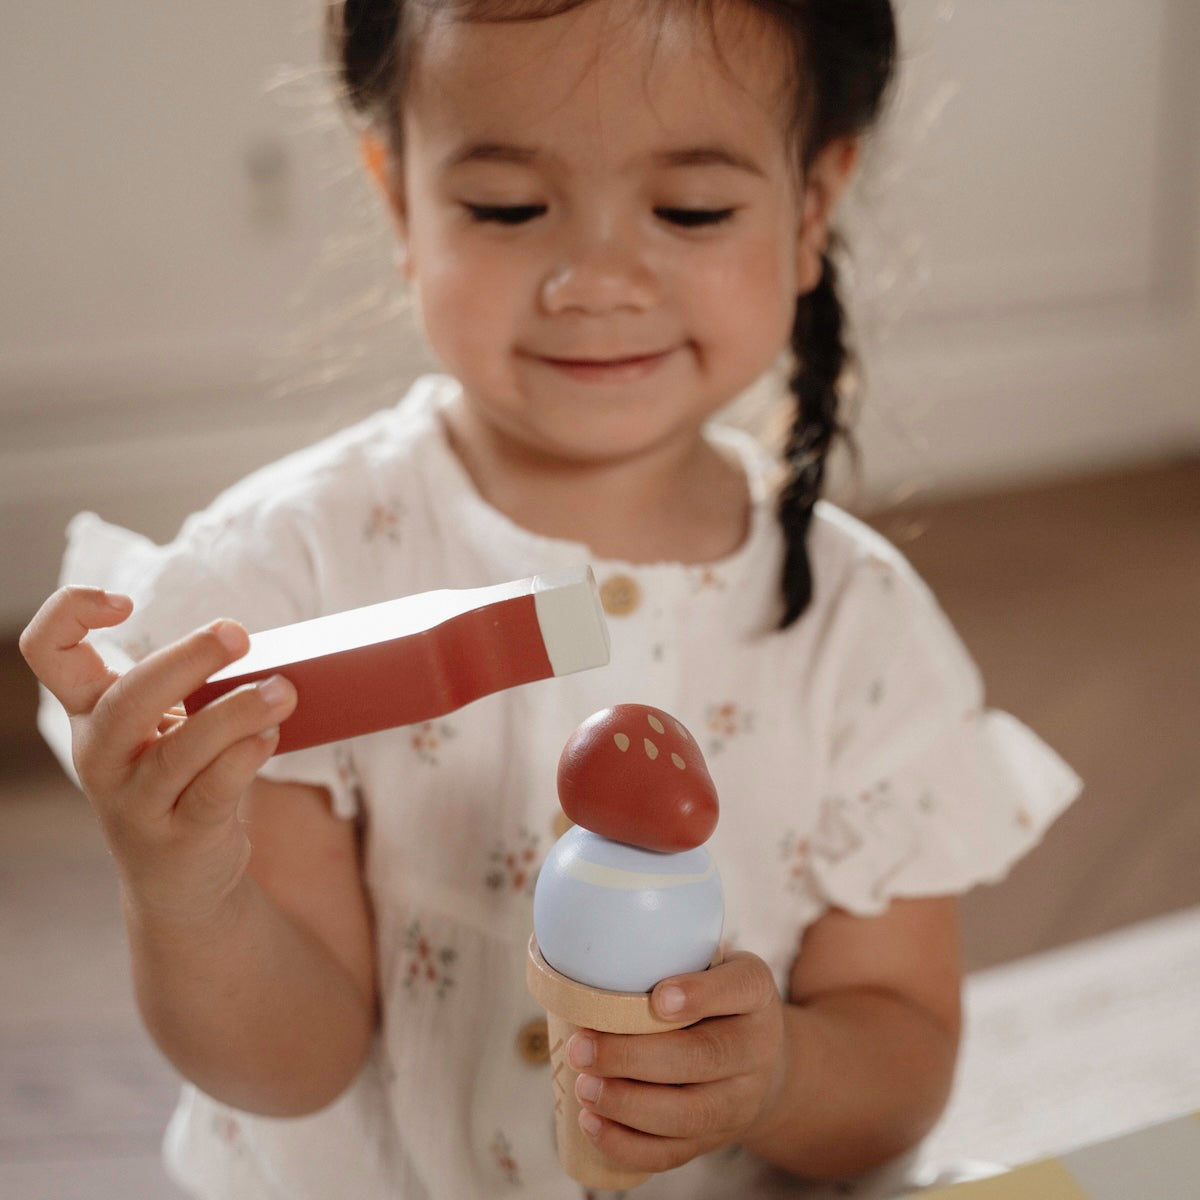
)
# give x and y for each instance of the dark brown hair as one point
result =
(844, 53)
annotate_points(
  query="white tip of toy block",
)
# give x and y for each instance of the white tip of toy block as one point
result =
(571, 620)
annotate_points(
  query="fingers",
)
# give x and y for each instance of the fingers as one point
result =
(713, 1046)
(702, 1053)
(696, 1112)
(654, 1101)
(634, 1150)
(214, 794)
(132, 710)
(742, 983)
(209, 760)
(55, 648)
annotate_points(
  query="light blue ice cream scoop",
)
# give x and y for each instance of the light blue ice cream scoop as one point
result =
(615, 916)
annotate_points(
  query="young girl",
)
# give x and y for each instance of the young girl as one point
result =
(614, 216)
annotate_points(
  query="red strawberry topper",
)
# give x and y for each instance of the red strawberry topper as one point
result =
(632, 773)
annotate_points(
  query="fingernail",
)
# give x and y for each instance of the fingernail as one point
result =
(581, 1051)
(587, 1087)
(669, 1000)
(117, 602)
(230, 636)
(275, 690)
(589, 1122)
(268, 736)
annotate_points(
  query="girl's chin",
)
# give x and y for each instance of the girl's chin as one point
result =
(551, 418)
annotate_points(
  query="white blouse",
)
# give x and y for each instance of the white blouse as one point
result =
(852, 754)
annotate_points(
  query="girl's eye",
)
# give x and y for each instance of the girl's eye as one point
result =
(693, 218)
(505, 214)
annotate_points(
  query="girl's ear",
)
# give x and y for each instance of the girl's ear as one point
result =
(825, 182)
(382, 169)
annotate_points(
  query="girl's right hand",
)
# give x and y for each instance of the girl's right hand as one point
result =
(165, 786)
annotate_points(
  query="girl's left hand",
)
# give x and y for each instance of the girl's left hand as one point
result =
(655, 1101)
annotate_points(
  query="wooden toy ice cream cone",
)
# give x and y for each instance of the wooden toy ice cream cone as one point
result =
(571, 1006)
(626, 898)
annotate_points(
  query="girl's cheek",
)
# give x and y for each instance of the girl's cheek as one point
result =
(750, 284)
(467, 317)
(472, 266)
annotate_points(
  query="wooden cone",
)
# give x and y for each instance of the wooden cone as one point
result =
(570, 1006)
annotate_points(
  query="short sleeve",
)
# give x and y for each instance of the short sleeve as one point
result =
(927, 791)
(256, 575)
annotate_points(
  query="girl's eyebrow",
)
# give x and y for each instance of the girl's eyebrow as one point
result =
(491, 152)
(709, 156)
(688, 156)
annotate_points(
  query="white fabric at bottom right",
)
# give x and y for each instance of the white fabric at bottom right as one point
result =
(1077, 1045)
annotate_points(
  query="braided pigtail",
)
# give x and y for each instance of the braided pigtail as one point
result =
(846, 56)
(821, 358)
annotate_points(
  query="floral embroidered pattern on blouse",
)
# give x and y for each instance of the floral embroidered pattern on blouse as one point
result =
(228, 1129)
(834, 837)
(383, 521)
(503, 1156)
(347, 775)
(427, 966)
(726, 721)
(427, 738)
(883, 572)
(706, 579)
(796, 854)
(514, 867)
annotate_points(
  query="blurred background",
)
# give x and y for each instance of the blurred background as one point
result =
(194, 280)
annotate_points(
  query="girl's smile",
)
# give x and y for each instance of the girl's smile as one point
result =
(612, 370)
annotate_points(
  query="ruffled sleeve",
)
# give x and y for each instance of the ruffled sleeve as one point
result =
(927, 791)
(256, 574)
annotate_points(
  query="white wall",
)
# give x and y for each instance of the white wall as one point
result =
(182, 248)
(1051, 323)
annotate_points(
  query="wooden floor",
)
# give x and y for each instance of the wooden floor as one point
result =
(84, 1096)
(1081, 603)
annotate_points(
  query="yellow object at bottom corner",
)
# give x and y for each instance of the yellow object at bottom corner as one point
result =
(1048, 1180)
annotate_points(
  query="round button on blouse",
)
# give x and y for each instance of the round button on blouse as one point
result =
(620, 595)
(533, 1041)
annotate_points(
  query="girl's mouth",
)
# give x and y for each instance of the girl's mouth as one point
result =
(608, 370)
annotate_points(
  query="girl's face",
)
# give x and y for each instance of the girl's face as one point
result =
(601, 219)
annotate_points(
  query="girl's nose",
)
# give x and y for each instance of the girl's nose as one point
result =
(601, 275)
